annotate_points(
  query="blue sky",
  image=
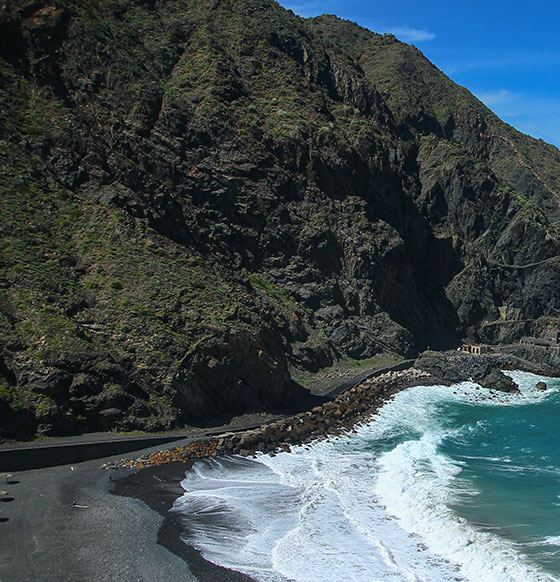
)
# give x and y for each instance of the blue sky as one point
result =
(506, 53)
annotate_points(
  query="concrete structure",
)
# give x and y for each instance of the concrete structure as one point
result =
(476, 349)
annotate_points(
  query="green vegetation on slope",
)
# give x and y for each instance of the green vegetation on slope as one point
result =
(204, 201)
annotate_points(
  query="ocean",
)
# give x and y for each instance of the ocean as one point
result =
(443, 484)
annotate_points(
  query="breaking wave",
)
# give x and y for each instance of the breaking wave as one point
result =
(439, 486)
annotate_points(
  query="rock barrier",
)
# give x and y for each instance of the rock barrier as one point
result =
(332, 418)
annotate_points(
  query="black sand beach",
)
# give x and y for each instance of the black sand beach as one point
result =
(82, 522)
(158, 487)
(46, 538)
(124, 534)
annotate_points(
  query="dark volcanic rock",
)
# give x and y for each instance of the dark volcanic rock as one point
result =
(452, 367)
(497, 380)
(538, 360)
(231, 375)
(203, 200)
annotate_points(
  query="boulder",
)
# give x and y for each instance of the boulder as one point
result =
(497, 380)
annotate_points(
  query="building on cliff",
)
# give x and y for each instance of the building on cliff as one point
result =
(476, 349)
(550, 339)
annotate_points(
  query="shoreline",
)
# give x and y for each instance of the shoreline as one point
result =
(158, 487)
(126, 532)
(365, 399)
(157, 477)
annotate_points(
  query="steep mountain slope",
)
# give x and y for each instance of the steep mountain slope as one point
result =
(203, 199)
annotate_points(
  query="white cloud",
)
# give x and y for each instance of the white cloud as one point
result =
(520, 104)
(309, 8)
(409, 34)
(493, 98)
(511, 61)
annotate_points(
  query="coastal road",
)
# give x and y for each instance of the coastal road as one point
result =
(75, 449)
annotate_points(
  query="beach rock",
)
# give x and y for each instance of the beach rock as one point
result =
(452, 367)
(541, 386)
(497, 380)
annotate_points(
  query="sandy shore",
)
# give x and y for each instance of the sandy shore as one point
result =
(44, 538)
(123, 533)
(158, 487)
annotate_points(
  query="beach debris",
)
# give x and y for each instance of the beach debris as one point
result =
(2, 493)
(75, 504)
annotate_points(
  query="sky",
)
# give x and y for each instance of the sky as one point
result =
(506, 53)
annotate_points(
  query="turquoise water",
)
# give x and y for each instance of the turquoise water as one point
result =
(444, 484)
(510, 457)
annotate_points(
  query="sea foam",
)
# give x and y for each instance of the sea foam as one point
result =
(377, 504)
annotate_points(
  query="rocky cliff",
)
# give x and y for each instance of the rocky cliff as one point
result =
(203, 200)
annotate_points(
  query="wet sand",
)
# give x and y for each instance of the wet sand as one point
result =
(158, 487)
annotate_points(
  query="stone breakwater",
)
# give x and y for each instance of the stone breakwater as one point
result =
(332, 418)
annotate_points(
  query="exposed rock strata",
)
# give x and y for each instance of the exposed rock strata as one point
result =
(202, 200)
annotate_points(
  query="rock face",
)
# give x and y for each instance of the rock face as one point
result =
(450, 368)
(202, 199)
(545, 361)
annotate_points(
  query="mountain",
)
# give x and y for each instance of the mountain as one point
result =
(205, 201)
